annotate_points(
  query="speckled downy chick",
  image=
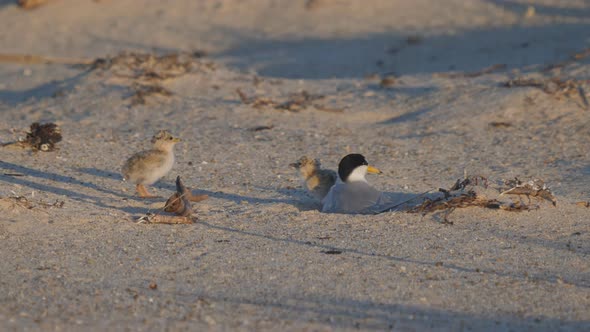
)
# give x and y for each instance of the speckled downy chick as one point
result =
(146, 167)
(317, 181)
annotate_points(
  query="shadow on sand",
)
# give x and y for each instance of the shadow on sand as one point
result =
(518, 47)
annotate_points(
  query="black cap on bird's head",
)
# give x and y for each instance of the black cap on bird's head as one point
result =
(352, 162)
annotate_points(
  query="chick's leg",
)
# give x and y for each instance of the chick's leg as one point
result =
(142, 191)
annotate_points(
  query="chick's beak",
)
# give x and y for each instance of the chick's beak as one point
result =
(176, 140)
(373, 170)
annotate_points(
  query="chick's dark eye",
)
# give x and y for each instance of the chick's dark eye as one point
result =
(169, 138)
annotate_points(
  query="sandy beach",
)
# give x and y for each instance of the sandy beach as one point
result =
(428, 91)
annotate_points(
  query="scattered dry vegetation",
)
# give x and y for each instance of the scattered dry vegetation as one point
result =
(556, 87)
(296, 102)
(464, 193)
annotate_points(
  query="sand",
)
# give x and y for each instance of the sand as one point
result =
(260, 255)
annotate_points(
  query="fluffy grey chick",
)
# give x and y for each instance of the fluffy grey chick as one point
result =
(317, 181)
(147, 167)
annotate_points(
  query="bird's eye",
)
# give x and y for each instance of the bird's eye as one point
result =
(169, 138)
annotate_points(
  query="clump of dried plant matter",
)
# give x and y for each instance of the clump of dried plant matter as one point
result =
(41, 137)
(556, 87)
(296, 102)
(145, 73)
(532, 188)
(476, 192)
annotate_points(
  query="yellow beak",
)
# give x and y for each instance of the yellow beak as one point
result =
(176, 140)
(373, 170)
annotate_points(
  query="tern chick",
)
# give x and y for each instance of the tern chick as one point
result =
(317, 181)
(147, 167)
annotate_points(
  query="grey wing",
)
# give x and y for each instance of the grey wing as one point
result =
(351, 198)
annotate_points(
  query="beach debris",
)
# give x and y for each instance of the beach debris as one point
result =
(152, 218)
(145, 73)
(500, 124)
(487, 70)
(31, 4)
(583, 204)
(23, 202)
(179, 204)
(141, 92)
(554, 86)
(260, 128)
(297, 102)
(147, 66)
(467, 193)
(387, 82)
(42, 137)
(534, 188)
(331, 252)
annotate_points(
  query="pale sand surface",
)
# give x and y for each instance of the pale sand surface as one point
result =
(255, 259)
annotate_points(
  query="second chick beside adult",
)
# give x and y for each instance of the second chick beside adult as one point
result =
(318, 181)
(147, 167)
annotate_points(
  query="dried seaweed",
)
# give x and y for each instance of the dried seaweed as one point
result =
(533, 188)
(146, 72)
(141, 92)
(461, 200)
(256, 102)
(296, 102)
(43, 137)
(24, 202)
(500, 124)
(554, 86)
(260, 128)
(462, 194)
(147, 67)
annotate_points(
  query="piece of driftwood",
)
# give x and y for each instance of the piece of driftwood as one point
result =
(179, 204)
